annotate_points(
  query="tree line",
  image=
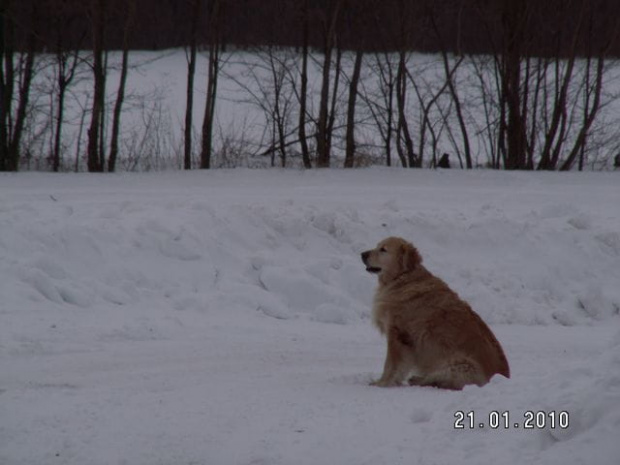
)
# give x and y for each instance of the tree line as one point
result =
(467, 26)
(538, 69)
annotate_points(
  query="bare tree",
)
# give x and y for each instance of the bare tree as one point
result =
(78, 146)
(427, 99)
(12, 121)
(512, 135)
(545, 106)
(487, 134)
(404, 142)
(6, 84)
(67, 62)
(191, 71)
(590, 111)
(335, 97)
(450, 72)
(98, 21)
(303, 93)
(349, 158)
(379, 100)
(215, 44)
(268, 83)
(282, 97)
(323, 134)
(120, 96)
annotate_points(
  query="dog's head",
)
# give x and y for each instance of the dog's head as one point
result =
(391, 258)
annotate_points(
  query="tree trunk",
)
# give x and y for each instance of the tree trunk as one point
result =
(334, 99)
(61, 60)
(408, 156)
(459, 111)
(305, 152)
(207, 125)
(102, 120)
(120, 96)
(78, 147)
(556, 134)
(279, 109)
(322, 135)
(589, 117)
(453, 92)
(191, 72)
(403, 136)
(426, 109)
(382, 111)
(213, 72)
(58, 134)
(514, 19)
(586, 106)
(12, 159)
(98, 25)
(323, 155)
(6, 59)
(349, 158)
(67, 63)
(390, 117)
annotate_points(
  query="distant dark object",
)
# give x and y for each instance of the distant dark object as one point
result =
(444, 161)
(617, 161)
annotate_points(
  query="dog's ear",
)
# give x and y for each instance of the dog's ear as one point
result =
(411, 257)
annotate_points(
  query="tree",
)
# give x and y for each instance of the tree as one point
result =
(12, 121)
(98, 21)
(268, 83)
(379, 100)
(215, 44)
(323, 133)
(191, 71)
(278, 65)
(402, 40)
(546, 105)
(120, 96)
(303, 93)
(514, 18)
(349, 158)
(427, 99)
(67, 63)
(449, 74)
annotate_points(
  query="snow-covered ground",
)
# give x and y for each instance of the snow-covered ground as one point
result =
(222, 317)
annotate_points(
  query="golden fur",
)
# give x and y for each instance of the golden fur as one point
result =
(433, 337)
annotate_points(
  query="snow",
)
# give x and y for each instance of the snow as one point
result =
(223, 317)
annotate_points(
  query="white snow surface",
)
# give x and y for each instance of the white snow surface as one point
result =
(223, 317)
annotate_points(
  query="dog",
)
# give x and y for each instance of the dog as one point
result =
(433, 337)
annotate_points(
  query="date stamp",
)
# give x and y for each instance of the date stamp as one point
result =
(495, 420)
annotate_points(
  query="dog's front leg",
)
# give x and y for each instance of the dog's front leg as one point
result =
(393, 369)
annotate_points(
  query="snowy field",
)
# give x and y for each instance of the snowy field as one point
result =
(223, 317)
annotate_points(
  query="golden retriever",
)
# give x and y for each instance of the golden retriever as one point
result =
(433, 337)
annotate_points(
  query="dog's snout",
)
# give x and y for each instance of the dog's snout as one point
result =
(365, 256)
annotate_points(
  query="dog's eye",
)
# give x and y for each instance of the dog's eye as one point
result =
(382, 249)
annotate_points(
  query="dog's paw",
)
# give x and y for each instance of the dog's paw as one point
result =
(383, 383)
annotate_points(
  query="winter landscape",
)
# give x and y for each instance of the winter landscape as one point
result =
(155, 314)
(223, 317)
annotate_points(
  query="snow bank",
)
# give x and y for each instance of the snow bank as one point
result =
(521, 253)
(230, 295)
